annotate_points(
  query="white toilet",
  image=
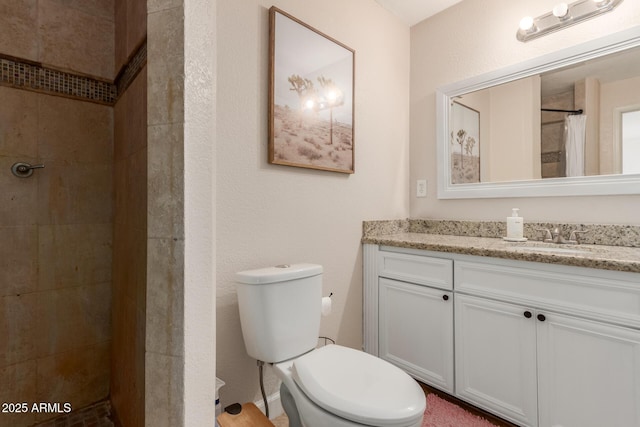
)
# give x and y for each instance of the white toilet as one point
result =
(332, 386)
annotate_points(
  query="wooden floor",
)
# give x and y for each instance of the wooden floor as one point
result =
(249, 416)
(283, 421)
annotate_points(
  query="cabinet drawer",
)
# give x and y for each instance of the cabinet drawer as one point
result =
(422, 270)
(574, 292)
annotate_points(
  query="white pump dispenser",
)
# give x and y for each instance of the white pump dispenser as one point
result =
(515, 227)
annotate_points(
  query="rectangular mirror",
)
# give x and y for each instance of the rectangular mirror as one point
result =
(563, 124)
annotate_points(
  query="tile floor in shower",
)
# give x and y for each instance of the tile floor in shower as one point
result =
(96, 415)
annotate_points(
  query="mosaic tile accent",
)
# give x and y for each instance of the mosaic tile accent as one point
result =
(130, 70)
(21, 74)
(551, 157)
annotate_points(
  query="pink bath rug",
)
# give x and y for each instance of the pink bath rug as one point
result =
(440, 413)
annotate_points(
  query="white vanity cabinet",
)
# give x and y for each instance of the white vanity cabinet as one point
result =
(541, 345)
(521, 356)
(496, 358)
(588, 373)
(415, 316)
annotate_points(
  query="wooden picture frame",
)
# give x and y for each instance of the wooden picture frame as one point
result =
(465, 144)
(311, 97)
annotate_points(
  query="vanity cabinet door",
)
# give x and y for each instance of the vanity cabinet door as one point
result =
(416, 331)
(495, 360)
(588, 373)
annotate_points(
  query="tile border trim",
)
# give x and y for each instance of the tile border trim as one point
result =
(22, 74)
(28, 75)
(131, 69)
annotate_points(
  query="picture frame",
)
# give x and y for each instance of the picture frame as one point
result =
(465, 144)
(311, 97)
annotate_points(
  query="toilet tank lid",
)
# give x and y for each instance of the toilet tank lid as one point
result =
(278, 273)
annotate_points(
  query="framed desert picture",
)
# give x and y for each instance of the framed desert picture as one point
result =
(311, 92)
(465, 144)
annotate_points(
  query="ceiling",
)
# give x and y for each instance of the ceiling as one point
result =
(414, 11)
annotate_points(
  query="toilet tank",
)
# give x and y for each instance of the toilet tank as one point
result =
(280, 309)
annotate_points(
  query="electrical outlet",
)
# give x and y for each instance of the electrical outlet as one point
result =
(421, 188)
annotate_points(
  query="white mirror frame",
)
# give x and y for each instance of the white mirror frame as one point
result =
(573, 186)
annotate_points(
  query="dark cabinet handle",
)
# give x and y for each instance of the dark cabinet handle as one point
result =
(445, 297)
(541, 317)
(527, 314)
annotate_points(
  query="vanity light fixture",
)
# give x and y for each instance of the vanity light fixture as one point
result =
(526, 24)
(561, 11)
(563, 15)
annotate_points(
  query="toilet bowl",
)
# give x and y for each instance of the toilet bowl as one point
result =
(336, 386)
(331, 386)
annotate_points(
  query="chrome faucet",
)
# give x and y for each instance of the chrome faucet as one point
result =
(555, 236)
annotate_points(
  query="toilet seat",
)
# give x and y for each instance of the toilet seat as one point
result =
(359, 387)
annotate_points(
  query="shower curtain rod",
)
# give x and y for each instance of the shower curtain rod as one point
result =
(562, 111)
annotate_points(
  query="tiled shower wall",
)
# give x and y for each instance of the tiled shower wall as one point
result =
(76, 35)
(56, 226)
(130, 255)
(553, 152)
(130, 223)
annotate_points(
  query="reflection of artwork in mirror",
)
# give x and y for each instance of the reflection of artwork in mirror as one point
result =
(631, 142)
(465, 143)
(310, 97)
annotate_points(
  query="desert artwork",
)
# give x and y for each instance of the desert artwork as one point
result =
(311, 108)
(465, 144)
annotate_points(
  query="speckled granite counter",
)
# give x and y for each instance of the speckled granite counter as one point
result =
(398, 234)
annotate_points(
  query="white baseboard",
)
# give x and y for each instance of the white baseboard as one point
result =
(275, 405)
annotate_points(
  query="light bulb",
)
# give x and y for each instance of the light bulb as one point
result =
(560, 10)
(526, 23)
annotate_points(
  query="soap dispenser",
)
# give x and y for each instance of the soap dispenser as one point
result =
(515, 227)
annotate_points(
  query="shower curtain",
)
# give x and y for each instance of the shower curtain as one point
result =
(574, 140)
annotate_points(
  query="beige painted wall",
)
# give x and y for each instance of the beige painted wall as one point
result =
(515, 130)
(509, 129)
(475, 37)
(615, 97)
(268, 214)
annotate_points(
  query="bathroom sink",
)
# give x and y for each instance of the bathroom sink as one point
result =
(558, 250)
(551, 248)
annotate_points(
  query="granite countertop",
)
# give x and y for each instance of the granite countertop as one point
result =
(619, 258)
